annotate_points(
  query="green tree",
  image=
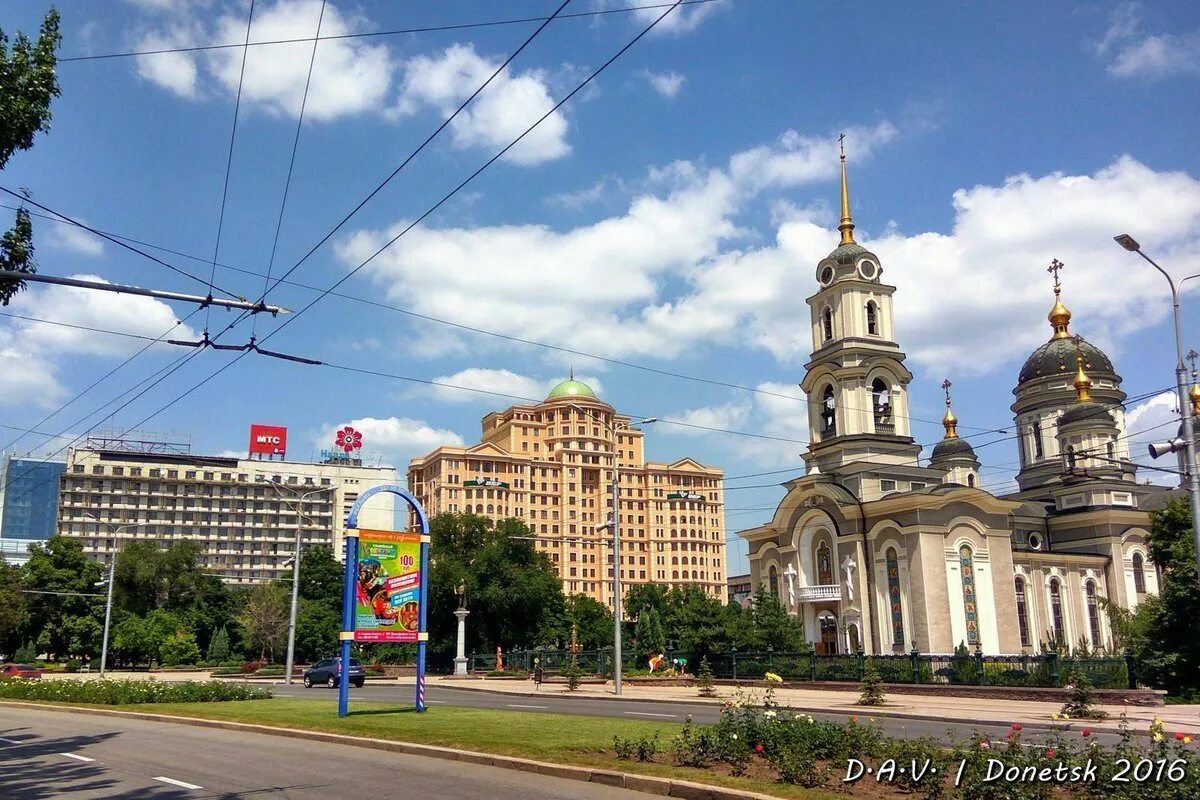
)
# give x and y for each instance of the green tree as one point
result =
(265, 618)
(14, 614)
(1164, 632)
(705, 686)
(643, 596)
(649, 634)
(773, 626)
(317, 627)
(321, 578)
(218, 645)
(28, 83)
(871, 691)
(180, 648)
(63, 578)
(592, 619)
(131, 641)
(513, 591)
(696, 622)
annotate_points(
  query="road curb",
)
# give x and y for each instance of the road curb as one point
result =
(1061, 727)
(666, 787)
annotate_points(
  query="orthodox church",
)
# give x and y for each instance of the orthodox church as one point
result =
(878, 549)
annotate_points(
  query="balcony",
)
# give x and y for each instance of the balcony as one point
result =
(818, 594)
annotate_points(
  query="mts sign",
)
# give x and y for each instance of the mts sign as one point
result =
(268, 440)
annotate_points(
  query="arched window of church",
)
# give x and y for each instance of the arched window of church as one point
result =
(827, 324)
(1093, 611)
(1056, 615)
(971, 479)
(1071, 456)
(828, 413)
(966, 564)
(1037, 440)
(773, 581)
(1139, 574)
(881, 404)
(893, 583)
(1112, 450)
(824, 566)
(872, 318)
(1022, 612)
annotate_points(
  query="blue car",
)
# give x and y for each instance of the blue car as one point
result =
(328, 672)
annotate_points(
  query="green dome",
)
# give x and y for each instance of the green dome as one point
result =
(953, 448)
(847, 253)
(571, 388)
(1057, 357)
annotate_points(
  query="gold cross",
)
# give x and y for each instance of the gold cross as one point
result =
(946, 384)
(1192, 356)
(1054, 267)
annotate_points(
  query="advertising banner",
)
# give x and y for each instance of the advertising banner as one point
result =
(270, 440)
(388, 587)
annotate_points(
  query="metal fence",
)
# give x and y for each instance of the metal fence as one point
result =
(977, 669)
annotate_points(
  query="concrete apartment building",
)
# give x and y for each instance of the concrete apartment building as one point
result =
(243, 512)
(551, 466)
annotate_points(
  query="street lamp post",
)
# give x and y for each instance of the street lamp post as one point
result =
(460, 658)
(1185, 407)
(615, 523)
(112, 572)
(291, 645)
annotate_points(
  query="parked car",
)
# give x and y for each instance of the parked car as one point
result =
(26, 671)
(328, 673)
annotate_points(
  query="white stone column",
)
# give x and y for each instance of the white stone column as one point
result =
(460, 661)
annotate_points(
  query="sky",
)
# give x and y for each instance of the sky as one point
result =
(668, 218)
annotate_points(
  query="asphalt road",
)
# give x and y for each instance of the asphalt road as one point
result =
(553, 701)
(50, 754)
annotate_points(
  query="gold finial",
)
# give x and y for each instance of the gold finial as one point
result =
(1060, 315)
(1194, 394)
(949, 422)
(847, 224)
(1083, 384)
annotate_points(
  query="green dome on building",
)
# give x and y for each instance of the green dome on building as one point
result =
(572, 388)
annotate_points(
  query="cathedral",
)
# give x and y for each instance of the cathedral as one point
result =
(879, 550)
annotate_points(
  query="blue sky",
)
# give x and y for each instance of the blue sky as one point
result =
(671, 215)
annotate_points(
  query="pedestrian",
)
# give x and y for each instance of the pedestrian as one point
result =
(537, 673)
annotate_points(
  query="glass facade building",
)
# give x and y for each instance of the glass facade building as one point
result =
(28, 497)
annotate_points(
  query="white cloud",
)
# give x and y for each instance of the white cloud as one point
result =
(75, 240)
(1153, 420)
(509, 105)
(684, 19)
(1134, 55)
(400, 439)
(667, 84)
(27, 377)
(175, 72)
(579, 199)
(503, 382)
(778, 411)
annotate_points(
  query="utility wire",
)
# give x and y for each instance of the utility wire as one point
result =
(287, 184)
(369, 34)
(79, 327)
(237, 104)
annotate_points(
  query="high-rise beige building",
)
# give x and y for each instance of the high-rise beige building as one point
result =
(551, 466)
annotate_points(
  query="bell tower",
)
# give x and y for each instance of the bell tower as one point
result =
(856, 380)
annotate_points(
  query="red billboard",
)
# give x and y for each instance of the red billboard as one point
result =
(269, 440)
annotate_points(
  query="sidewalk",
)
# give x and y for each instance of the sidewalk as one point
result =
(926, 706)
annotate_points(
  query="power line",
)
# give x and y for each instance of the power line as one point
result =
(79, 327)
(370, 34)
(237, 104)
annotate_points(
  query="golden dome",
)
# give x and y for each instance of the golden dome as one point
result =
(1195, 395)
(1060, 318)
(1083, 384)
(949, 422)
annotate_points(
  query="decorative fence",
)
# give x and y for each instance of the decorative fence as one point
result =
(1044, 670)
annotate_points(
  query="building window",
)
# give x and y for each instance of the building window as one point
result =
(893, 582)
(881, 405)
(827, 324)
(1056, 616)
(828, 413)
(1093, 612)
(773, 581)
(1022, 612)
(872, 318)
(1037, 440)
(1112, 451)
(971, 479)
(1139, 575)
(886, 485)
(1071, 456)
(824, 566)
(966, 564)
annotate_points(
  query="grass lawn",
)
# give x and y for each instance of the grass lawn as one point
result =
(557, 738)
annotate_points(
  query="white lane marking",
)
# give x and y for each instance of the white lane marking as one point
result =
(518, 705)
(648, 714)
(435, 701)
(10, 741)
(76, 757)
(181, 784)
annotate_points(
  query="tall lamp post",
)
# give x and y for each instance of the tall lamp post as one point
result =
(112, 571)
(299, 499)
(1185, 406)
(615, 523)
(460, 658)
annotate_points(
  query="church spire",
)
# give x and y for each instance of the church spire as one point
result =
(1083, 384)
(1194, 393)
(1060, 315)
(949, 422)
(847, 224)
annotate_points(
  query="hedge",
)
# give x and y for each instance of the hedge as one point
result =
(109, 692)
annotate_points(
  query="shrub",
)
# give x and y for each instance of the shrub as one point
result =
(178, 649)
(218, 646)
(1082, 701)
(704, 679)
(73, 665)
(25, 654)
(692, 746)
(872, 692)
(796, 765)
(110, 692)
(573, 674)
(250, 667)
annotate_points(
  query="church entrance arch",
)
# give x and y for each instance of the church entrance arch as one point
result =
(827, 643)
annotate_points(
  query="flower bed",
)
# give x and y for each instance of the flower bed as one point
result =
(109, 692)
